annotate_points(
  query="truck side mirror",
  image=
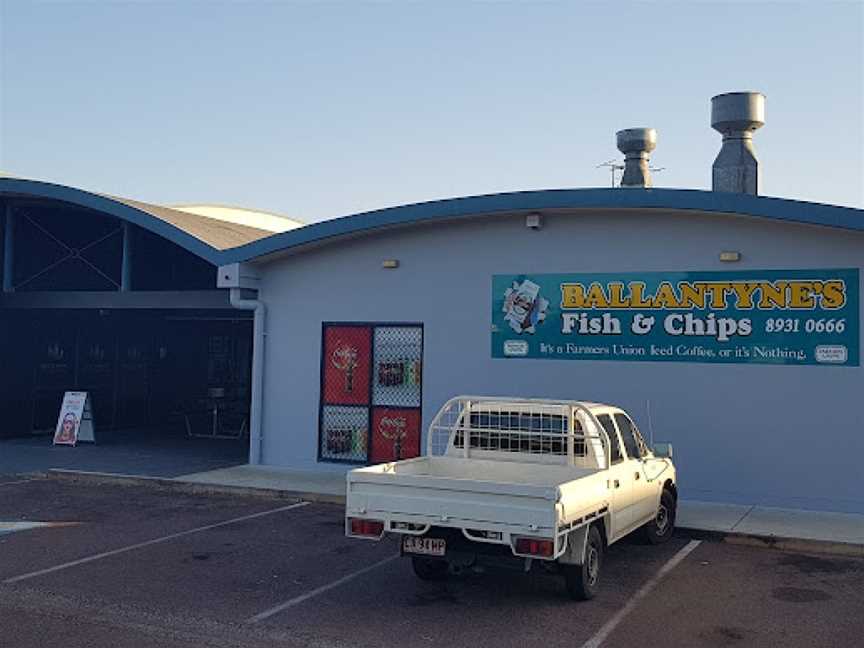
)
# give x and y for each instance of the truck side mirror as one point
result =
(663, 450)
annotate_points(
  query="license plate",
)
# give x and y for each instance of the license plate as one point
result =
(425, 546)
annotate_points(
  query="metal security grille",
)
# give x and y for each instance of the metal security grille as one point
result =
(371, 392)
(344, 433)
(398, 370)
(508, 431)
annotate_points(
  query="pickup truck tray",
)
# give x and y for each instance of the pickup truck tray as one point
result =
(450, 491)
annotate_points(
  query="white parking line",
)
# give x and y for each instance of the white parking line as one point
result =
(140, 545)
(17, 481)
(297, 600)
(611, 624)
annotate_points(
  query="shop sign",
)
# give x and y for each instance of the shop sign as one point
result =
(798, 317)
(75, 422)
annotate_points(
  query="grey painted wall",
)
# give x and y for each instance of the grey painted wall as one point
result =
(775, 435)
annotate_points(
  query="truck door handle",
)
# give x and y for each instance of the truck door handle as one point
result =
(637, 476)
(616, 483)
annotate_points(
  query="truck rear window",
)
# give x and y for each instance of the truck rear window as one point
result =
(615, 445)
(520, 432)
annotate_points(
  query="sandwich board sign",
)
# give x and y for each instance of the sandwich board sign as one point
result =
(75, 422)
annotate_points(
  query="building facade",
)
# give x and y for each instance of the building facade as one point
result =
(727, 324)
(118, 298)
(411, 306)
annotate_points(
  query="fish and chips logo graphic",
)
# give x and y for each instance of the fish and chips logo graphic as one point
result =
(524, 308)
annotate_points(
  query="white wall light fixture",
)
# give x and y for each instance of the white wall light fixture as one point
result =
(534, 221)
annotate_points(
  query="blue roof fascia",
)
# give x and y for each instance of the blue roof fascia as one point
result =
(779, 209)
(39, 189)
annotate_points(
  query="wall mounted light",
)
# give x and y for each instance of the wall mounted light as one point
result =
(534, 221)
(390, 264)
(730, 256)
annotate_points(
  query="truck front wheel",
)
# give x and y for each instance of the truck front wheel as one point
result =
(660, 529)
(582, 580)
(428, 569)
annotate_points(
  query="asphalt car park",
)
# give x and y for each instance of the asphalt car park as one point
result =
(135, 566)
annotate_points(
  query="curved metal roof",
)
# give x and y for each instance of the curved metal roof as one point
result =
(257, 218)
(200, 235)
(777, 209)
(222, 242)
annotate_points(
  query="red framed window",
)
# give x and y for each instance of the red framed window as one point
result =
(371, 392)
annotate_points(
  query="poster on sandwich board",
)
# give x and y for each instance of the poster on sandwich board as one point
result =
(75, 422)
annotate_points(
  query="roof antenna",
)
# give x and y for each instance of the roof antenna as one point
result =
(650, 422)
(613, 167)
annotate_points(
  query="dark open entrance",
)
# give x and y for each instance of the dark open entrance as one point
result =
(91, 303)
(141, 368)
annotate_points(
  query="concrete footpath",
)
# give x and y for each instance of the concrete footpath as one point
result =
(788, 529)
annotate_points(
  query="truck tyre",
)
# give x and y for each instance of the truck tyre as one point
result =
(660, 529)
(582, 580)
(428, 569)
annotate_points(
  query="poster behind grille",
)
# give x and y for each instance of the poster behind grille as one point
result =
(395, 431)
(346, 364)
(344, 433)
(397, 374)
(371, 392)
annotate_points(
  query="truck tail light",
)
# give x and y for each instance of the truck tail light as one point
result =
(535, 547)
(362, 528)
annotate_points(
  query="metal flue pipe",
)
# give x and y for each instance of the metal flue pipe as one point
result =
(636, 144)
(737, 115)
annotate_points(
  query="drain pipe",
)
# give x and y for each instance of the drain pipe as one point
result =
(258, 336)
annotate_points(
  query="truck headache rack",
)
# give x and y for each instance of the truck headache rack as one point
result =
(557, 431)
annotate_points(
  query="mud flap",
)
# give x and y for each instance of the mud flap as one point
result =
(576, 541)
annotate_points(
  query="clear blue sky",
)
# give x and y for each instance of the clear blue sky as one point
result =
(319, 110)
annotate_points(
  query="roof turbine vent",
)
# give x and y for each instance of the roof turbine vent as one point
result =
(736, 115)
(636, 144)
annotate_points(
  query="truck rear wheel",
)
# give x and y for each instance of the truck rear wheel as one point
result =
(660, 529)
(582, 581)
(428, 569)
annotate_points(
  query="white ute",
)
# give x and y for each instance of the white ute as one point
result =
(549, 482)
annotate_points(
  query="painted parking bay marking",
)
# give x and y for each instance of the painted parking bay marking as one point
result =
(604, 632)
(12, 527)
(594, 642)
(17, 481)
(297, 600)
(148, 543)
